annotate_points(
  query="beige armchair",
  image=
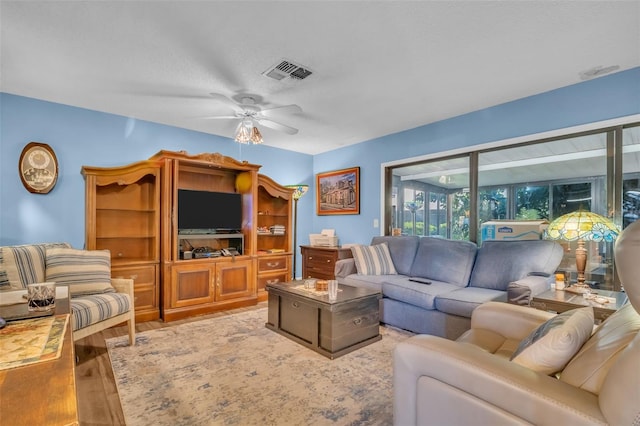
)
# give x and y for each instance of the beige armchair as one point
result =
(95, 306)
(472, 380)
(123, 286)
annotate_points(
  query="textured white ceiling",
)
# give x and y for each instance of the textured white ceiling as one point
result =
(379, 67)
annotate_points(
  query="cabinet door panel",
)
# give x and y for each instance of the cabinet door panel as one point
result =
(234, 279)
(193, 285)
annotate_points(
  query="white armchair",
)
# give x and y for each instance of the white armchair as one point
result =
(472, 380)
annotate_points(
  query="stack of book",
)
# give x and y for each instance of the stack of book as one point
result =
(277, 229)
(263, 230)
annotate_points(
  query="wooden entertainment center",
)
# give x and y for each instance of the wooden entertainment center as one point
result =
(132, 211)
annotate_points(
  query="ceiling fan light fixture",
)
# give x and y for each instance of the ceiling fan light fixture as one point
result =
(243, 134)
(256, 136)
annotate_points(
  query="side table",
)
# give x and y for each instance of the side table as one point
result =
(320, 262)
(561, 301)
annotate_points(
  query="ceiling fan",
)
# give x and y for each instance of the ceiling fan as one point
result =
(249, 113)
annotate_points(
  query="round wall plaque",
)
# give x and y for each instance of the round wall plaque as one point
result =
(38, 168)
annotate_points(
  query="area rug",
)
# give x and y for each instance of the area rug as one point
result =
(232, 370)
(29, 341)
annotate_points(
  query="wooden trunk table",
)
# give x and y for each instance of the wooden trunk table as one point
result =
(331, 328)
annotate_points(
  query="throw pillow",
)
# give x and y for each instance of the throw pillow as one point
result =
(23, 264)
(552, 345)
(373, 260)
(84, 271)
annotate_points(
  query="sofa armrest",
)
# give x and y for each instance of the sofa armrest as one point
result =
(345, 267)
(536, 283)
(510, 321)
(438, 381)
(123, 285)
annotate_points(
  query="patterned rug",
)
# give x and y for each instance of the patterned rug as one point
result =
(30, 341)
(232, 370)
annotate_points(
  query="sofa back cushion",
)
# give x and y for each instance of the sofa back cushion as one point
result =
(24, 264)
(449, 261)
(402, 250)
(501, 262)
(84, 271)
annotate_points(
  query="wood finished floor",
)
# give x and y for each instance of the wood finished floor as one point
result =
(98, 401)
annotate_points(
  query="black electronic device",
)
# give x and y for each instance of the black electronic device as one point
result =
(420, 280)
(230, 251)
(207, 211)
(204, 252)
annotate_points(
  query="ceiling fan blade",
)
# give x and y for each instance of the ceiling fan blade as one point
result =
(277, 126)
(221, 117)
(282, 109)
(222, 98)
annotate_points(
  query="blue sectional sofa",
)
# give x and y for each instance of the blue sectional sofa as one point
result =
(439, 282)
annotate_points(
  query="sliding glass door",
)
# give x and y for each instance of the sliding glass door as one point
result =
(451, 197)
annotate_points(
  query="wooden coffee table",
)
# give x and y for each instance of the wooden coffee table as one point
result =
(331, 328)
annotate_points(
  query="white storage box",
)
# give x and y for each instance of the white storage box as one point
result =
(513, 230)
(323, 240)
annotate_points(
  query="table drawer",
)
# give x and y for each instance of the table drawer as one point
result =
(272, 264)
(317, 259)
(276, 278)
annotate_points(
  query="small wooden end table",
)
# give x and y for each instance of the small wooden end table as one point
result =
(331, 328)
(561, 301)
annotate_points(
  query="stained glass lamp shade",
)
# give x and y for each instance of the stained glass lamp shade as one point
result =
(582, 226)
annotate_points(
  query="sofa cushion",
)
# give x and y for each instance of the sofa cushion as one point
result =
(462, 301)
(373, 260)
(415, 293)
(550, 346)
(91, 309)
(448, 261)
(84, 271)
(373, 282)
(403, 250)
(24, 264)
(499, 263)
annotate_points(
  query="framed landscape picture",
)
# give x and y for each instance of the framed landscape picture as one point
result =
(338, 192)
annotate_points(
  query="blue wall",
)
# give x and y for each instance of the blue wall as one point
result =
(82, 137)
(608, 97)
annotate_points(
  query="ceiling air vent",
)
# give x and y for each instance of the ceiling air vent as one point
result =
(287, 68)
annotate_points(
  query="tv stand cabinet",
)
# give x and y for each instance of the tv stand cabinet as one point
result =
(133, 211)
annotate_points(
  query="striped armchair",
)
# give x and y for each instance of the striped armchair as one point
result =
(97, 300)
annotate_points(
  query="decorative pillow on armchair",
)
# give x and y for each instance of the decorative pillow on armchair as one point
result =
(373, 260)
(552, 345)
(84, 271)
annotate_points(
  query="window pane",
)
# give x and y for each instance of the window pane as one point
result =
(631, 175)
(568, 198)
(432, 198)
(532, 202)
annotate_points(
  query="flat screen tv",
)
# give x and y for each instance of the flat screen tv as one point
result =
(209, 211)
